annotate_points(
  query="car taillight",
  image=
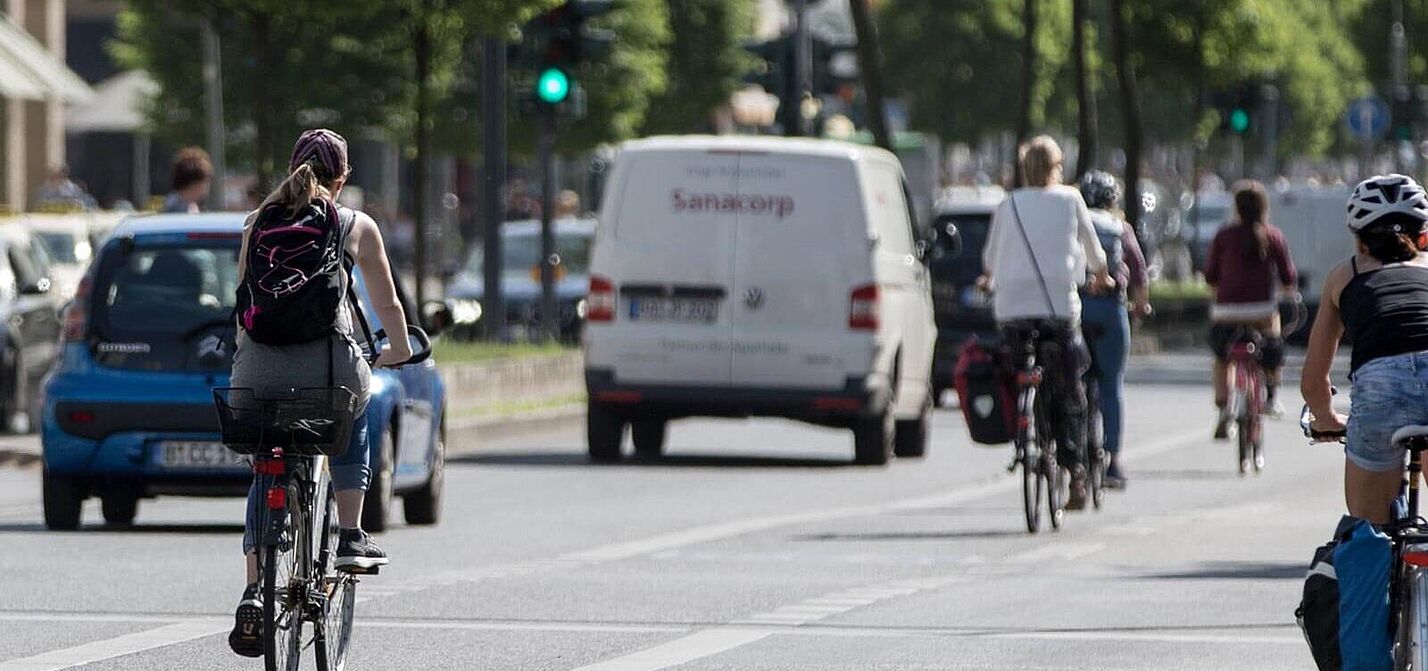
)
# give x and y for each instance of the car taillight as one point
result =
(76, 314)
(600, 304)
(863, 308)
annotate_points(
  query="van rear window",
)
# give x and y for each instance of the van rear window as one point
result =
(166, 307)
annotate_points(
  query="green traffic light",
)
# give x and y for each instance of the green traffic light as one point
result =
(553, 86)
(1239, 120)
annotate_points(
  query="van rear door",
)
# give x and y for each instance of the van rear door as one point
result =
(668, 252)
(802, 249)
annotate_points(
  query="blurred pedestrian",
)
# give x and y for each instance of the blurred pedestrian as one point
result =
(59, 192)
(567, 204)
(192, 178)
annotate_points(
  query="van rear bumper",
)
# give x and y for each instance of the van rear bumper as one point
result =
(835, 407)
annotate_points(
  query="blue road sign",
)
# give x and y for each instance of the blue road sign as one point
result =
(1367, 118)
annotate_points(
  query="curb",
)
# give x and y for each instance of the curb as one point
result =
(473, 433)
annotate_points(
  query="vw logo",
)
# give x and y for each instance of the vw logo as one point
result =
(754, 298)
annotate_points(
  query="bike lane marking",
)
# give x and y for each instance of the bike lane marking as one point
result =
(180, 632)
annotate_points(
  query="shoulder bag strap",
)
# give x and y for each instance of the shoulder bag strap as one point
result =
(1035, 264)
(349, 218)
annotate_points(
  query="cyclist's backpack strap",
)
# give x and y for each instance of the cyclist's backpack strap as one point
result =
(1354, 263)
(349, 220)
(1035, 263)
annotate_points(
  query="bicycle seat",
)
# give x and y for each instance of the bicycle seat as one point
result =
(1414, 438)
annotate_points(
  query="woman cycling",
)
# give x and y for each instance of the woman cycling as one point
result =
(1249, 260)
(317, 172)
(1039, 248)
(1380, 297)
(1105, 315)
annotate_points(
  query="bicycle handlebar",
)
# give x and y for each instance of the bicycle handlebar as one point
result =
(420, 353)
(1306, 421)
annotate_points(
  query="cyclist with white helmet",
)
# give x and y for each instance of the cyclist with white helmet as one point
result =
(1380, 297)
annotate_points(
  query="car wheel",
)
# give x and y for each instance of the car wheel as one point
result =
(604, 431)
(649, 436)
(12, 398)
(910, 435)
(63, 502)
(120, 508)
(377, 506)
(423, 506)
(873, 439)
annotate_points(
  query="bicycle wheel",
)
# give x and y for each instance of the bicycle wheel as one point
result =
(1096, 457)
(284, 568)
(1246, 443)
(1056, 484)
(334, 627)
(1030, 458)
(1410, 645)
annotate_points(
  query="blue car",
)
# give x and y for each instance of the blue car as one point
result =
(128, 412)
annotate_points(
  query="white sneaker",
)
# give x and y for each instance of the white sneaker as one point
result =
(1275, 410)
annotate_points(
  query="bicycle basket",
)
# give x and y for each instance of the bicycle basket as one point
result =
(308, 421)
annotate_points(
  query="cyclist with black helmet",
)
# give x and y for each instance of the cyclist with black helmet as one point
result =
(1105, 312)
(1380, 297)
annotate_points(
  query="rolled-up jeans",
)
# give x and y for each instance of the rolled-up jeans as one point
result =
(349, 471)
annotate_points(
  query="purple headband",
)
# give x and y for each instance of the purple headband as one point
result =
(329, 148)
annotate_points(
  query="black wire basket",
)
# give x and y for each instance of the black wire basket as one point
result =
(313, 421)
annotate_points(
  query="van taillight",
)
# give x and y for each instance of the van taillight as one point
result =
(600, 304)
(76, 314)
(863, 308)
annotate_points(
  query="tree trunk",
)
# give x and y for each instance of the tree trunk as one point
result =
(421, 55)
(1130, 110)
(263, 101)
(870, 65)
(1028, 80)
(1086, 127)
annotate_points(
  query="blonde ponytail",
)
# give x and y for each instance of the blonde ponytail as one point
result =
(297, 191)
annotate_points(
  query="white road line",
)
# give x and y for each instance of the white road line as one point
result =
(117, 647)
(695, 646)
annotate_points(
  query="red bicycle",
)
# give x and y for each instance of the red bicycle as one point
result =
(1249, 388)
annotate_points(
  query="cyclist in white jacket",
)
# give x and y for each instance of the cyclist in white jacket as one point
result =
(1040, 249)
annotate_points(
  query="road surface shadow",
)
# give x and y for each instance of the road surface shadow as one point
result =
(18, 459)
(200, 528)
(1236, 571)
(566, 458)
(910, 536)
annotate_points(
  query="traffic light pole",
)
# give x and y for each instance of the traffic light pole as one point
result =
(549, 260)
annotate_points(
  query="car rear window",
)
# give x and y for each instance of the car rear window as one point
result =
(166, 306)
(963, 267)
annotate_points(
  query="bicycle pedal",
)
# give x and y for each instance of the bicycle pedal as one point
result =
(357, 570)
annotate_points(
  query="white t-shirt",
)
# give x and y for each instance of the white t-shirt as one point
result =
(1059, 229)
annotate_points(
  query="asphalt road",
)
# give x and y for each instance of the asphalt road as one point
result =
(752, 547)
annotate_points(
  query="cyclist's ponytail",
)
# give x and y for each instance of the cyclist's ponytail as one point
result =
(301, 187)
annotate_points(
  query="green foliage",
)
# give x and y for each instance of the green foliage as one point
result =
(958, 63)
(707, 62)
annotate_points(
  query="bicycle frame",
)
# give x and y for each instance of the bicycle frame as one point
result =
(1247, 383)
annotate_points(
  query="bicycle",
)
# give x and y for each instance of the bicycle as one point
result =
(1035, 451)
(1249, 385)
(1408, 534)
(1097, 459)
(290, 439)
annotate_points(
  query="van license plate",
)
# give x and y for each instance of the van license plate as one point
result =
(198, 454)
(695, 310)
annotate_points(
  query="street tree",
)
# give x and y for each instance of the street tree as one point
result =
(706, 62)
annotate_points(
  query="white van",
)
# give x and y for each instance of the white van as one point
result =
(755, 276)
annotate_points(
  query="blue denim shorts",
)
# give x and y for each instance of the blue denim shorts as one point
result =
(1388, 394)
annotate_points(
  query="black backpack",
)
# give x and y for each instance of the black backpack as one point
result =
(296, 273)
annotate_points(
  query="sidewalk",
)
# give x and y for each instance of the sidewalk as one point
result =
(20, 451)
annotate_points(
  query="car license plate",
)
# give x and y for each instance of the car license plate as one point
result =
(698, 310)
(198, 454)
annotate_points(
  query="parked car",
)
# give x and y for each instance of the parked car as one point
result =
(742, 276)
(29, 326)
(67, 242)
(520, 278)
(961, 221)
(128, 411)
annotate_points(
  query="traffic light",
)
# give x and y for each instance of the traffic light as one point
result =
(1236, 107)
(555, 45)
(1403, 112)
(774, 69)
(835, 65)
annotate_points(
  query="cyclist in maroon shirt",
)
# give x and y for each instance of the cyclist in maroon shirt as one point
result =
(1249, 264)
